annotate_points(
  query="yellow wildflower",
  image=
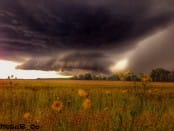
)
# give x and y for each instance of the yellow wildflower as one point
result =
(86, 104)
(82, 93)
(145, 78)
(57, 105)
(38, 121)
(127, 73)
(27, 116)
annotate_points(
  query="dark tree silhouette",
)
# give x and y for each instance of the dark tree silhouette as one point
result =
(159, 75)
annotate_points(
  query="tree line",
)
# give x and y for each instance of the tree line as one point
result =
(156, 75)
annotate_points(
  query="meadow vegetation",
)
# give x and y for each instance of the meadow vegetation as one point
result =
(72, 105)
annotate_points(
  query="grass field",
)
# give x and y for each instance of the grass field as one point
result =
(67, 105)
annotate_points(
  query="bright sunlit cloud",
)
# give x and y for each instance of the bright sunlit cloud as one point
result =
(7, 68)
(120, 65)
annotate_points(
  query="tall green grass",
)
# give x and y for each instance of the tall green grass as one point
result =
(116, 106)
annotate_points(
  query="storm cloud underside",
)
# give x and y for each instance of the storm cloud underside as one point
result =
(86, 35)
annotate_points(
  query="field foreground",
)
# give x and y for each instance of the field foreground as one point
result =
(66, 105)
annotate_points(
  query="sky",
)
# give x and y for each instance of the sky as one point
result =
(62, 38)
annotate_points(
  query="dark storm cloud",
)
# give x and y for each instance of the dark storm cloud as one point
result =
(43, 30)
(88, 62)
